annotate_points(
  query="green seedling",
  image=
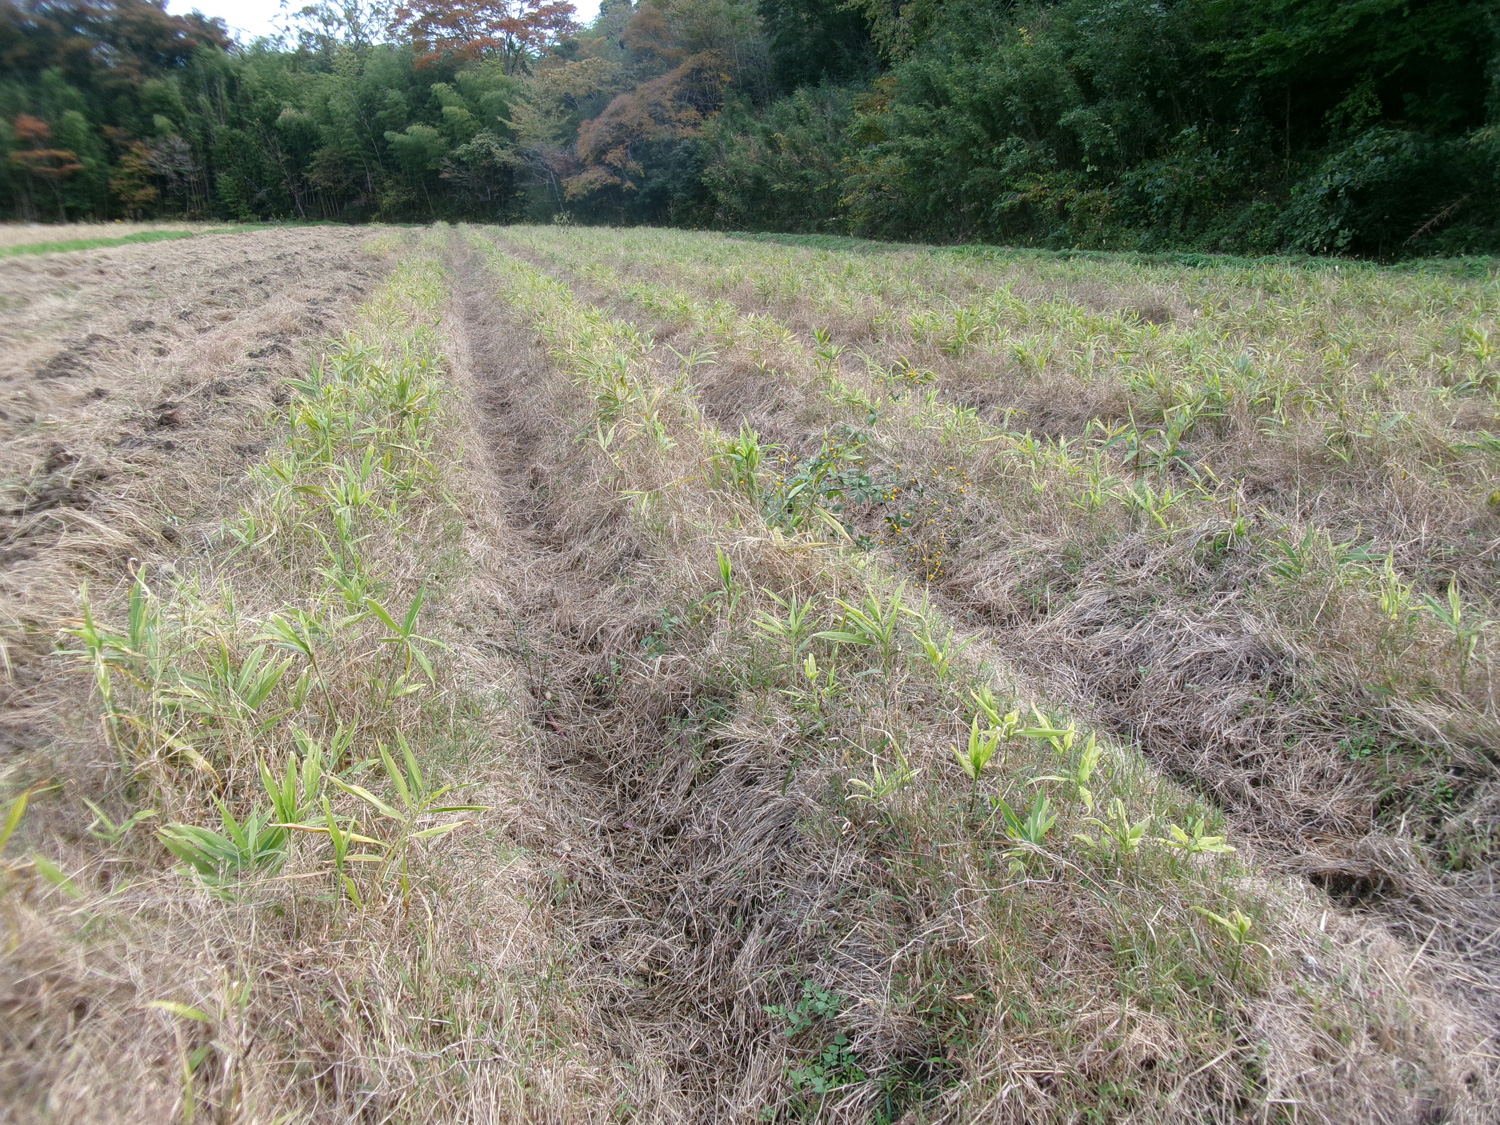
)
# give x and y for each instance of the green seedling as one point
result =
(1296, 558)
(795, 629)
(300, 783)
(1033, 830)
(825, 350)
(298, 631)
(1117, 830)
(973, 758)
(730, 590)
(965, 330)
(339, 838)
(822, 682)
(135, 655)
(103, 828)
(1236, 926)
(882, 784)
(1061, 739)
(15, 809)
(1465, 628)
(255, 845)
(416, 802)
(190, 1060)
(354, 586)
(1395, 595)
(239, 693)
(1350, 561)
(1081, 774)
(247, 532)
(834, 1067)
(745, 456)
(55, 875)
(939, 654)
(695, 358)
(1195, 842)
(1007, 724)
(405, 638)
(1155, 503)
(875, 624)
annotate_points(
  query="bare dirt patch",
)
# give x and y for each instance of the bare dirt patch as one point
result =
(100, 435)
(111, 390)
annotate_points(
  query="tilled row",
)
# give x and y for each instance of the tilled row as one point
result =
(753, 734)
(1182, 629)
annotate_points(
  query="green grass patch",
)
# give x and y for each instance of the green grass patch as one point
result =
(67, 245)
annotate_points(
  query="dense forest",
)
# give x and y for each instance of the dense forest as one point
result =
(1360, 127)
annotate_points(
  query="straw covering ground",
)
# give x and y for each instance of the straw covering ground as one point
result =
(548, 674)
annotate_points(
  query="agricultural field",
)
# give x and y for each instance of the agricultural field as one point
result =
(573, 674)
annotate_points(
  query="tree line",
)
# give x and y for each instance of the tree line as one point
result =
(1360, 127)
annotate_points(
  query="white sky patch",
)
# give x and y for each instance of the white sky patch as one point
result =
(248, 19)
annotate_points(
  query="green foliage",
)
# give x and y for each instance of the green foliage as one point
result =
(834, 1065)
(781, 168)
(1141, 124)
(352, 130)
(1031, 830)
(1321, 127)
(824, 489)
(812, 1005)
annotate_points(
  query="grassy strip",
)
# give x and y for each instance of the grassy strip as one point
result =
(1428, 331)
(66, 245)
(285, 706)
(1054, 847)
(1478, 266)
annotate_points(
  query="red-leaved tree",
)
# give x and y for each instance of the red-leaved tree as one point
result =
(41, 163)
(661, 111)
(511, 30)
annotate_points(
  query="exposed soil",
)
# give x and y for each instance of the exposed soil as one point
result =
(129, 381)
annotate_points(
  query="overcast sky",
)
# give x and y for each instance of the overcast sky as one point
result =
(249, 18)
